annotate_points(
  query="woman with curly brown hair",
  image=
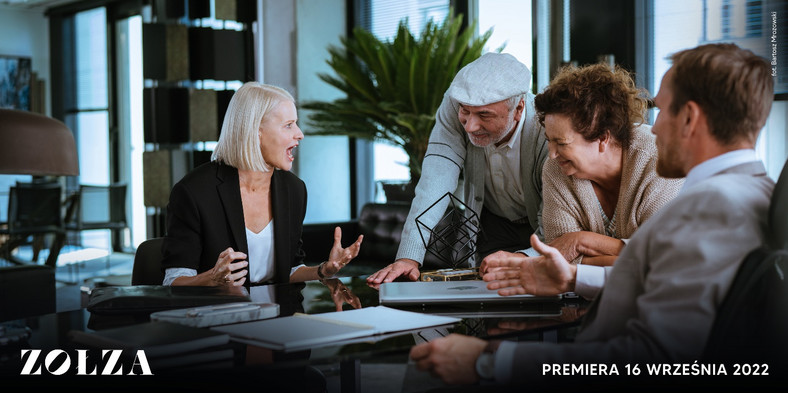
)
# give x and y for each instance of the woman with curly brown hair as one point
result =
(600, 181)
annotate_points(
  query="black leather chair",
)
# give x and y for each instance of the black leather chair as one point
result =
(93, 208)
(752, 320)
(99, 207)
(34, 209)
(147, 263)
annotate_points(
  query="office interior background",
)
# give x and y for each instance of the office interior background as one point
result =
(87, 62)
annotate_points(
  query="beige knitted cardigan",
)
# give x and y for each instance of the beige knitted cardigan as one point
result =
(570, 204)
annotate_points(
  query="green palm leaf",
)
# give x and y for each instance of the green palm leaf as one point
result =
(393, 88)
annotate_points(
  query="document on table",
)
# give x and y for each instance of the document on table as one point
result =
(302, 331)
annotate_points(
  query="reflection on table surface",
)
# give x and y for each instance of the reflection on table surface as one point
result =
(485, 321)
(520, 321)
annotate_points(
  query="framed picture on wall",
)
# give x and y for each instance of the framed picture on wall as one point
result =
(15, 80)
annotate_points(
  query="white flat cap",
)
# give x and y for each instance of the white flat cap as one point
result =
(493, 77)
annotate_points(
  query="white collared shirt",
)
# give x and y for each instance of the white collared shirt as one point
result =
(503, 184)
(712, 166)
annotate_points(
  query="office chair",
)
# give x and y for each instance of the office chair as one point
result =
(100, 207)
(34, 209)
(752, 320)
(147, 263)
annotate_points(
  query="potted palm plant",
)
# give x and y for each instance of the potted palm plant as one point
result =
(393, 88)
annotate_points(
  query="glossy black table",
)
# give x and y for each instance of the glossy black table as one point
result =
(554, 321)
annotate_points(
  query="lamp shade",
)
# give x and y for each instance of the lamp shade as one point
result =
(33, 144)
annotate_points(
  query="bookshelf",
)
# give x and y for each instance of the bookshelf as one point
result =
(196, 54)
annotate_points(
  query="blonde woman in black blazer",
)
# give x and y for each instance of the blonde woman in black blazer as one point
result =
(246, 192)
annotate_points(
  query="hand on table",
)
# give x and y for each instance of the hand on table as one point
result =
(512, 259)
(407, 268)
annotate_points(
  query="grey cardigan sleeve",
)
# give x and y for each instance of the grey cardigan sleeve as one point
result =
(440, 172)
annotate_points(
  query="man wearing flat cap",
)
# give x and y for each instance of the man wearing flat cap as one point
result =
(485, 128)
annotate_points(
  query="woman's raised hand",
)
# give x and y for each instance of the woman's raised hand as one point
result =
(339, 257)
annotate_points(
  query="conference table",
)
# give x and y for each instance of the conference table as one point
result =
(554, 321)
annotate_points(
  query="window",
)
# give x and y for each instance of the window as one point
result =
(95, 96)
(90, 111)
(510, 21)
(87, 113)
(682, 24)
(382, 17)
(131, 141)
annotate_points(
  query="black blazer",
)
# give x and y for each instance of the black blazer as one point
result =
(205, 216)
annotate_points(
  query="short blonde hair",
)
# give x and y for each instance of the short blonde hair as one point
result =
(239, 144)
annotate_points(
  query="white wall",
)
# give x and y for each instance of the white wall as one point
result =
(26, 33)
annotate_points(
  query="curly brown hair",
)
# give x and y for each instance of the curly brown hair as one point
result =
(596, 99)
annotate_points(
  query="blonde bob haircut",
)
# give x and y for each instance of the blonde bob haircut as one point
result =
(239, 143)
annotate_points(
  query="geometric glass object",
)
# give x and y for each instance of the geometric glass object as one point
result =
(452, 239)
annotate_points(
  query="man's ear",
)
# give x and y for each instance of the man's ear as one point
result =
(691, 117)
(518, 110)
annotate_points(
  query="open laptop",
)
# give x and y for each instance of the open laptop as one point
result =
(450, 292)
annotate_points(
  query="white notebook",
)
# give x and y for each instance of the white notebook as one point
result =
(301, 331)
(448, 292)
